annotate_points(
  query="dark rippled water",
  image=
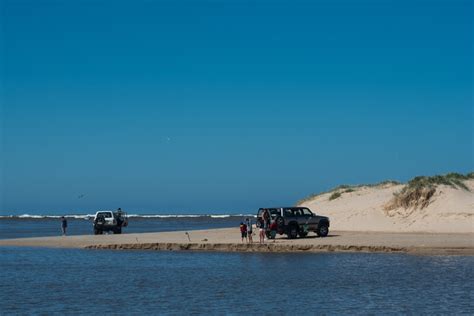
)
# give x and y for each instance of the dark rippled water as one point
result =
(64, 281)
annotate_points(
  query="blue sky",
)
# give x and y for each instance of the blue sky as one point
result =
(226, 106)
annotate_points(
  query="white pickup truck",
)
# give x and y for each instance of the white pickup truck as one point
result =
(110, 221)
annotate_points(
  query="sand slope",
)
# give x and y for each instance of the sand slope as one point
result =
(450, 210)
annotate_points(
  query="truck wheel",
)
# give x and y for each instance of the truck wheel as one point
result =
(280, 221)
(293, 231)
(97, 232)
(322, 231)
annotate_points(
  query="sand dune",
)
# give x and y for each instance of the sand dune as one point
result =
(367, 208)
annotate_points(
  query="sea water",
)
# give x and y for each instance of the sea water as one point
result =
(70, 281)
(21, 226)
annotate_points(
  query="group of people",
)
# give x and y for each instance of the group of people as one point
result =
(266, 227)
(246, 230)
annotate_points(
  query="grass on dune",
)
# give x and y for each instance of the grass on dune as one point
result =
(345, 188)
(335, 195)
(419, 190)
(416, 193)
(453, 179)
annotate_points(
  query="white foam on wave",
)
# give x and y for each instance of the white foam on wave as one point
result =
(89, 216)
(163, 216)
(31, 216)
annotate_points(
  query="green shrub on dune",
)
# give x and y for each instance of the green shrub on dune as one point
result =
(416, 193)
(450, 179)
(419, 190)
(345, 188)
(335, 195)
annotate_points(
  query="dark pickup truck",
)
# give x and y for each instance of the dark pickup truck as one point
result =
(296, 221)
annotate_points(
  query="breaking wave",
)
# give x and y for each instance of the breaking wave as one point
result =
(138, 216)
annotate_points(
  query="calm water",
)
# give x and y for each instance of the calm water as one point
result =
(65, 281)
(40, 227)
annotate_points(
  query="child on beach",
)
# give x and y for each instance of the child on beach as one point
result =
(249, 230)
(243, 231)
(273, 230)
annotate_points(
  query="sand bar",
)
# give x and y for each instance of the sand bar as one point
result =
(228, 240)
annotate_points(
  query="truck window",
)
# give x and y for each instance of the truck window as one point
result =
(287, 212)
(306, 212)
(274, 212)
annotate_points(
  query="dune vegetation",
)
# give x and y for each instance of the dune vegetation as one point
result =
(416, 193)
(345, 188)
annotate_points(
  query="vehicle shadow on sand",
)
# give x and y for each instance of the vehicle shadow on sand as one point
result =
(311, 237)
(315, 236)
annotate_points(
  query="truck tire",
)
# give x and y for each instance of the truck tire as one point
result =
(280, 221)
(97, 231)
(293, 231)
(323, 230)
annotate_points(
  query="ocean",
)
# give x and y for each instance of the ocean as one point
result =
(78, 282)
(21, 226)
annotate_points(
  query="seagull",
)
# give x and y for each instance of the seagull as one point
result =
(81, 196)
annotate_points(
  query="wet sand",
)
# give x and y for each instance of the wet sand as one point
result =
(228, 240)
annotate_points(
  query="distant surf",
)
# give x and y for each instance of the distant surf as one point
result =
(138, 216)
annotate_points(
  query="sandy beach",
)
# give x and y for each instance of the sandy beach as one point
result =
(228, 240)
(363, 219)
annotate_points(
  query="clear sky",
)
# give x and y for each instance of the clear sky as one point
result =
(226, 106)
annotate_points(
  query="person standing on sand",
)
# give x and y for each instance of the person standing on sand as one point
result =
(266, 222)
(63, 225)
(261, 230)
(243, 231)
(249, 230)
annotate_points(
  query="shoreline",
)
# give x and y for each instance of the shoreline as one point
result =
(228, 240)
(272, 248)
